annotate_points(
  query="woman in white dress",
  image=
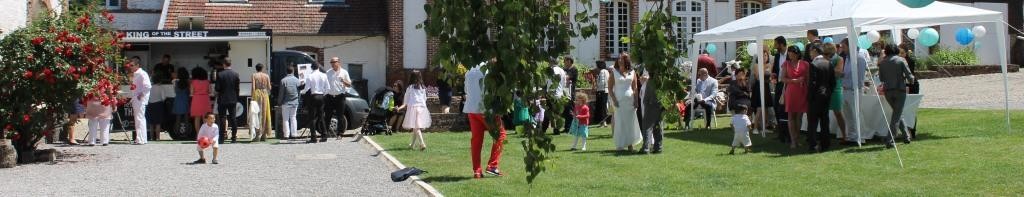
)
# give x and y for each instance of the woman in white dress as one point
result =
(626, 128)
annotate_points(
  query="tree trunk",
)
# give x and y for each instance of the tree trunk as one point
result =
(8, 156)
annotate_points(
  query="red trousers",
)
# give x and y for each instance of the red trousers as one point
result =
(479, 128)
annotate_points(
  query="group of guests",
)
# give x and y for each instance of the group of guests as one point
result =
(812, 83)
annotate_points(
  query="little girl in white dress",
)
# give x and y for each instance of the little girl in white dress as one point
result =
(417, 117)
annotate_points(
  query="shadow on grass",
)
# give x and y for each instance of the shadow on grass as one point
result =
(616, 153)
(446, 179)
(770, 144)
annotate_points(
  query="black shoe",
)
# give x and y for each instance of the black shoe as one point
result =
(215, 162)
(106, 144)
(890, 145)
(732, 152)
(906, 140)
(200, 161)
(234, 140)
(323, 139)
(643, 152)
(312, 141)
(656, 151)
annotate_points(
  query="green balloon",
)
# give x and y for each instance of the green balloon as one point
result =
(799, 45)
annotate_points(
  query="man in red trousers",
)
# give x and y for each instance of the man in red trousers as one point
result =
(474, 109)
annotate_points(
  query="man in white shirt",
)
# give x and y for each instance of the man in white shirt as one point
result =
(704, 94)
(339, 83)
(474, 109)
(561, 91)
(317, 86)
(140, 97)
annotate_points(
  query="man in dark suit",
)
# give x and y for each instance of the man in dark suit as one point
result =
(820, 85)
(650, 122)
(573, 73)
(227, 96)
(781, 126)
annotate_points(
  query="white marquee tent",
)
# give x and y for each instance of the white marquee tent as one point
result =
(850, 17)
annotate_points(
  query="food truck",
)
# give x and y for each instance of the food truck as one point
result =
(197, 48)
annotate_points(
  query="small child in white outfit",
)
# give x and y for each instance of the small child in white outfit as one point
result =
(210, 131)
(740, 128)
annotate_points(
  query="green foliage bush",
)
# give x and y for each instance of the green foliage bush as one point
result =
(948, 56)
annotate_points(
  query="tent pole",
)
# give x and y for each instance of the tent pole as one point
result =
(1001, 34)
(851, 34)
(694, 52)
(760, 84)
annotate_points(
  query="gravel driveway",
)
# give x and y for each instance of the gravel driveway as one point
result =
(336, 168)
(973, 92)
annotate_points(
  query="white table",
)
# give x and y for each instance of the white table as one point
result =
(872, 123)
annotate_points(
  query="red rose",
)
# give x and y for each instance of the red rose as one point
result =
(38, 40)
(126, 46)
(133, 87)
(51, 80)
(47, 72)
(58, 49)
(28, 74)
(8, 127)
(25, 118)
(16, 136)
(120, 35)
(30, 58)
(110, 17)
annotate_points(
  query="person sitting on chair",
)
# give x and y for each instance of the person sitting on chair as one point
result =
(705, 90)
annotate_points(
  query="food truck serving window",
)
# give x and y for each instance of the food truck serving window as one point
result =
(198, 35)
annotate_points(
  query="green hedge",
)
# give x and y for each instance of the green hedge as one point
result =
(948, 56)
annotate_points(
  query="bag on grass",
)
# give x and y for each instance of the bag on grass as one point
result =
(405, 173)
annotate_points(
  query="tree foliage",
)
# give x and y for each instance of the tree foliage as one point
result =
(513, 34)
(653, 48)
(52, 63)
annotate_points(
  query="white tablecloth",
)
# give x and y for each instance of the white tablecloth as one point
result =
(872, 122)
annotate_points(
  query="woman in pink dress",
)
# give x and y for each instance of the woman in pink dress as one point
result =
(796, 91)
(200, 96)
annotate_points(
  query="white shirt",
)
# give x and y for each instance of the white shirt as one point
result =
(316, 82)
(140, 79)
(563, 83)
(707, 88)
(602, 81)
(415, 97)
(209, 131)
(474, 91)
(337, 79)
(740, 123)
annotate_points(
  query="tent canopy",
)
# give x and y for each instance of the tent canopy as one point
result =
(832, 17)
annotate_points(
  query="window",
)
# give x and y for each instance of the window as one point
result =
(355, 72)
(616, 27)
(112, 4)
(691, 21)
(749, 7)
(326, 1)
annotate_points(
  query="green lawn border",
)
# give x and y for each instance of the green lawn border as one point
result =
(396, 165)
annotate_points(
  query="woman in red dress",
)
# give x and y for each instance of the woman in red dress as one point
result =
(795, 79)
(200, 104)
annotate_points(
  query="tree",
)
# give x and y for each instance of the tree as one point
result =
(653, 48)
(50, 64)
(512, 33)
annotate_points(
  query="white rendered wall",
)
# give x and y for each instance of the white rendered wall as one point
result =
(13, 15)
(136, 21)
(987, 50)
(414, 40)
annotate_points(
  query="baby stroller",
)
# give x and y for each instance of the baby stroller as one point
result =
(382, 107)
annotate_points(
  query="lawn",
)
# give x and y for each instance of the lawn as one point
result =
(959, 152)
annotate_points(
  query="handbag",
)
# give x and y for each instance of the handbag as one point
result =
(405, 173)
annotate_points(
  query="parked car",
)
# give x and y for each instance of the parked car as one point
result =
(352, 118)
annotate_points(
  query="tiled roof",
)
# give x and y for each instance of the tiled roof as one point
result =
(354, 17)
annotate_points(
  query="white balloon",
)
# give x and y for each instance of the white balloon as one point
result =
(873, 36)
(978, 31)
(752, 49)
(913, 33)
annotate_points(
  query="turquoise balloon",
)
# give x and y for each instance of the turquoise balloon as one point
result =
(929, 37)
(916, 3)
(799, 45)
(863, 42)
(827, 40)
(712, 48)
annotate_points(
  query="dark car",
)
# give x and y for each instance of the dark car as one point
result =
(352, 118)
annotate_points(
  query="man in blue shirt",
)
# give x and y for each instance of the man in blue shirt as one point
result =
(852, 82)
(289, 100)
